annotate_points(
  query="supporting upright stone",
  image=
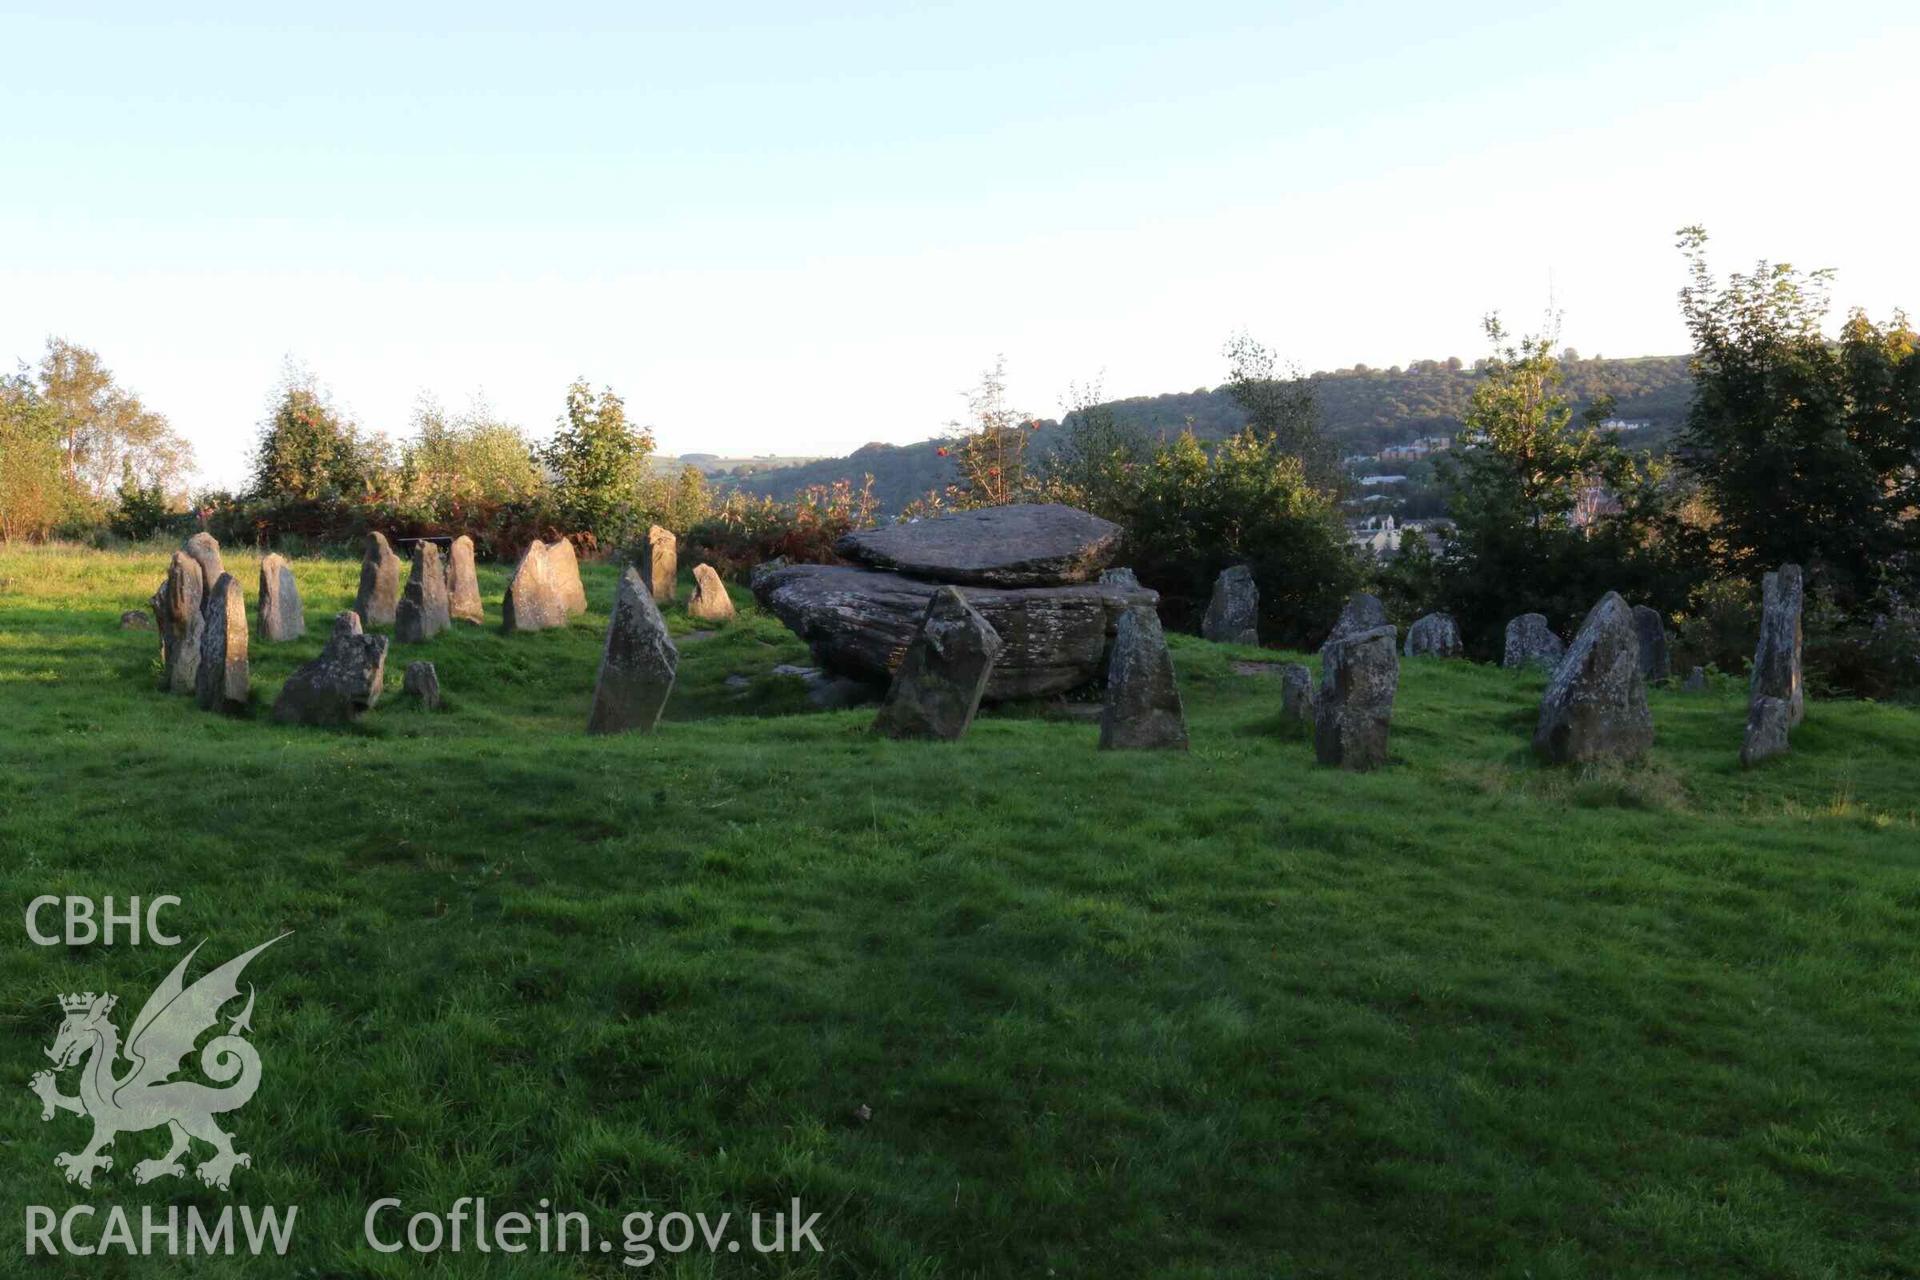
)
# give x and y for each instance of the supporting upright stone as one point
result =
(1595, 707)
(463, 583)
(1531, 643)
(205, 550)
(1296, 694)
(342, 682)
(936, 690)
(1233, 614)
(532, 602)
(379, 593)
(638, 664)
(1435, 636)
(1142, 709)
(1119, 576)
(423, 612)
(563, 563)
(1777, 697)
(177, 607)
(1353, 713)
(1362, 612)
(660, 563)
(1651, 630)
(710, 601)
(224, 679)
(278, 608)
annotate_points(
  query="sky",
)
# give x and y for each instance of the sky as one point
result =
(793, 228)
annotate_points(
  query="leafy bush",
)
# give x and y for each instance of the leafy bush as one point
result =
(747, 531)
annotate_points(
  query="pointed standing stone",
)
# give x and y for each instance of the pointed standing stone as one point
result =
(937, 689)
(1595, 707)
(205, 550)
(710, 601)
(1531, 643)
(1651, 630)
(563, 563)
(422, 613)
(177, 613)
(224, 679)
(660, 563)
(1361, 613)
(531, 602)
(279, 610)
(1776, 659)
(339, 684)
(463, 584)
(379, 593)
(1142, 709)
(638, 664)
(1359, 676)
(1233, 614)
(1435, 636)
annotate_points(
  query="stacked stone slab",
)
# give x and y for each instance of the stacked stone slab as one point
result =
(1531, 643)
(1776, 693)
(178, 612)
(463, 583)
(660, 563)
(341, 683)
(533, 601)
(1595, 707)
(1296, 694)
(637, 666)
(1362, 612)
(1353, 712)
(223, 682)
(423, 612)
(563, 563)
(204, 548)
(279, 610)
(1435, 636)
(1028, 569)
(1651, 630)
(379, 593)
(1142, 709)
(1233, 612)
(938, 687)
(710, 601)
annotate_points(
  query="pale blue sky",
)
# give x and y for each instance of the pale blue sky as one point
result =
(794, 228)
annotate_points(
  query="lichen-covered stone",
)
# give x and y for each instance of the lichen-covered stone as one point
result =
(660, 563)
(423, 682)
(532, 602)
(463, 583)
(638, 664)
(1353, 711)
(1651, 630)
(136, 620)
(1696, 681)
(281, 615)
(1233, 613)
(1532, 643)
(1776, 659)
(342, 682)
(710, 601)
(423, 611)
(1142, 709)
(1024, 544)
(224, 679)
(1119, 577)
(204, 548)
(1595, 707)
(177, 612)
(938, 687)
(1296, 694)
(1362, 612)
(1436, 635)
(563, 564)
(1768, 723)
(379, 593)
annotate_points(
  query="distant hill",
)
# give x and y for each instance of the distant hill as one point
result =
(1362, 410)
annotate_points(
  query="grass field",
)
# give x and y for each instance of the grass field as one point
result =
(1222, 1014)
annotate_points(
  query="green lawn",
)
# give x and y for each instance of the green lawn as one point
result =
(1222, 1014)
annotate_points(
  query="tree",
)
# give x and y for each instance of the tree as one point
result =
(598, 460)
(990, 449)
(309, 451)
(1094, 455)
(104, 429)
(1281, 409)
(473, 457)
(34, 491)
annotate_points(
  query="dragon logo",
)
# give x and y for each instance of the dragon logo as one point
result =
(144, 1097)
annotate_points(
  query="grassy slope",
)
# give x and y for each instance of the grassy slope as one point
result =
(1222, 1014)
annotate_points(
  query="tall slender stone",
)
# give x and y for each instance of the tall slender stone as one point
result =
(638, 664)
(1595, 707)
(1142, 710)
(379, 593)
(1777, 696)
(177, 612)
(532, 602)
(205, 550)
(710, 601)
(463, 583)
(937, 688)
(660, 563)
(1353, 713)
(1651, 630)
(224, 679)
(278, 607)
(1233, 613)
(1296, 694)
(563, 563)
(422, 613)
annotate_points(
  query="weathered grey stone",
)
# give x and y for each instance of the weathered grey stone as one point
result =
(828, 691)
(1776, 659)
(1142, 709)
(177, 611)
(860, 621)
(281, 615)
(423, 682)
(1119, 578)
(136, 620)
(532, 602)
(205, 550)
(765, 569)
(1651, 630)
(463, 583)
(1296, 693)
(1353, 712)
(1435, 636)
(1532, 643)
(1026, 544)
(423, 612)
(660, 563)
(224, 679)
(1233, 614)
(1362, 612)
(938, 687)
(339, 684)
(1595, 707)
(1768, 721)
(1696, 680)
(710, 601)
(379, 594)
(563, 563)
(638, 664)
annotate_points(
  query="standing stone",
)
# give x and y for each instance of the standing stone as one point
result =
(1143, 709)
(423, 682)
(1651, 628)
(1776, 660)
(1531, 643)
(937, 688)
(1595, 707)
(463, 584)
(339, 684)
(1119, 578)
(1361, 613)
(1435, 636)
(710, 601)
(660, 563)
(563, 563)
(1233, 614)
(379, 593)
(280, 612)
(423, 612)
(205, 550)
(224, 679)
(638, 665)
(177, 611)
(1696, 680)
(1768, 723)
(1359, 675)
(1296, 694)
(136, 620)
(532, 602)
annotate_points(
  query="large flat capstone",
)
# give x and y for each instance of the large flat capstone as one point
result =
(1027, 544)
